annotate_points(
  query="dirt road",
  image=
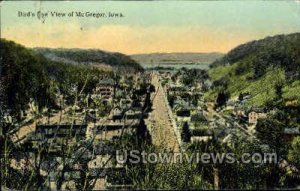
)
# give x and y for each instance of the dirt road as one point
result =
(163, 133)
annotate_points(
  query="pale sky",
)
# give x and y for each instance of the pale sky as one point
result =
(150, 26)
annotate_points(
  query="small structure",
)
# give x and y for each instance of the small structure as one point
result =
(203, 138)
(201, 135)
(292, 102)
(253, 116)
(239, 113)
(290, 133)
(289, 169)
(55, 135)
(61, 130)
(105, 88)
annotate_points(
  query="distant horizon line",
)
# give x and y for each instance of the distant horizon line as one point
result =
(131, 54)
(149, 53)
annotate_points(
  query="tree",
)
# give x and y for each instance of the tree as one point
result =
(198, 117)
(142, 132)
(222, 98)
(148, 103)
(294, 152)
(241, 97)
(186, 134)
(259, 69)
(270, 131)
(278, 89)
(187, 80)
(171, 100)
(152, 88)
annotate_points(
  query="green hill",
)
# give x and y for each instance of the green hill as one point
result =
(98, 58)
(26, 75)
(267, 69)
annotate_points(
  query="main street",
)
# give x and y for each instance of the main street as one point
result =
(162, 130)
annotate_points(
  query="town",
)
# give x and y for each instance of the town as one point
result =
(61, 142)
(152, 95)
(74, 146)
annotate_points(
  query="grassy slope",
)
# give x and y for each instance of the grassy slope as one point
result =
(278, 55)
(262, 89)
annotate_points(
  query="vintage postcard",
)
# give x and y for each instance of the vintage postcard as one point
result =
(152, 95)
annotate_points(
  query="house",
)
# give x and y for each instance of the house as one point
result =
(290, 133)
(230, 104)
(52, 178)
(132, 114)
(115, 127)
(200, 135)
(183, 114)
(253, 116)
(203, 138)
(290, 170)
(292, 102)
(58, 133)
(30, 112)
(7, 118)
(72, 175)
(125, 103)
(174, 89)
(69, 185)
(105, 88)
(239, 113)
(210, 104)
(117, 114)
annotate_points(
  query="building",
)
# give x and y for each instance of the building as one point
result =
(292, 102)
(204, 138)
(254, 116)
(55, 135)
(290, 133)
(105, 88)
(239, 113)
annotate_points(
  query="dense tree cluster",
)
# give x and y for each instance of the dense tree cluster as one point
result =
(28, 75)
(280, 50)
(191, 76)
(90, 57)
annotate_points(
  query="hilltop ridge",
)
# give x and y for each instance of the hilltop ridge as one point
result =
(95, 57)
(267, 69)
(177, 58)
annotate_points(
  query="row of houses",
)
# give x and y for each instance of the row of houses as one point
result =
(81, 142)
(185, 102)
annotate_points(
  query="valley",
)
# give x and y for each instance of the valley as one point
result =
(65, 119)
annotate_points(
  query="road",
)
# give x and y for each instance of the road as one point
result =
(236, 125)
(163, 133)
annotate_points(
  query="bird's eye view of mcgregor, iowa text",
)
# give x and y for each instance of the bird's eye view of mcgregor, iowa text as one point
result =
(149, 95)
